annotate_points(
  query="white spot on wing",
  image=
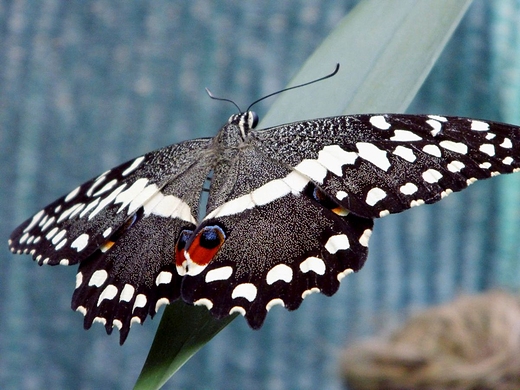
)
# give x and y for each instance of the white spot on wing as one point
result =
(80, 243)
(35, 219)
(296, 181)
(336, 243)
(128, 293)
(164, 277)
(488, 149)
(433, 150)
(435, 123)
(373, 154)
(508, 160)
(416, 202)
(133, 166)
(310, 291)
(270, 191)
(168, 206)
(340, 195)
(375, 195)
(507, 144)
(232, 207)
(274, 302)
(245, 290)
(133, 192)
(312, 169)
(79, 279)
(333, 158)
(72, 194)
(64, 262)
(479, 125)
(431, 176)
(107, 232)
(405, 153)
(405, 136)
(222, 273)
(109, 293)
(341, 275)
(106, 187)
(438, 118)
(204, 302)
(380, 122)
(140, 301)
(57, 238)
(82, 310)
(96, 183)
(98, 278)
(279, 272)
(313, 264)
(48, 223)
(408, 189)
(455, 166)
(363, 240)
(135, 320)
(117, 324)
(457, 147)
(160, 302)
(101, 320)
(238, 309)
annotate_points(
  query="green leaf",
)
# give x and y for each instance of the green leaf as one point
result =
(386, 49)
(183, 330)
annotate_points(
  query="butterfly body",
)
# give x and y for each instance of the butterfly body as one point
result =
(290, 210)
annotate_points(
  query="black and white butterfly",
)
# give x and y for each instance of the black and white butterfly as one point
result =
(290, 211)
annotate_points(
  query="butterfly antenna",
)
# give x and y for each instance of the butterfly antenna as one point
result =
(222, 99)
(293, 87)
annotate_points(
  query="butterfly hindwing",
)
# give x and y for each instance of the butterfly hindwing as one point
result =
(276, 254)
(131, 276)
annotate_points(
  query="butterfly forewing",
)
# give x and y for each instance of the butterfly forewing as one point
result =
(379, 164)
(73, 227)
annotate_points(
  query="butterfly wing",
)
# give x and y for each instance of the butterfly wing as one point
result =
(74, 226)
(295, 210)
(122, 227)
(374, 165)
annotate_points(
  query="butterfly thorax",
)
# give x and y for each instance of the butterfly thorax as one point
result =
(233, 136)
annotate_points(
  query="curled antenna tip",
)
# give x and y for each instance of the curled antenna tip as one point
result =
(222, 99)
(296, 86)
(209, 93)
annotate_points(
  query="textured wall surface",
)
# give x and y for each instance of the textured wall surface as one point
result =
(87, 85)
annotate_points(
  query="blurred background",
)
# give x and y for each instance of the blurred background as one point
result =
(85, 85)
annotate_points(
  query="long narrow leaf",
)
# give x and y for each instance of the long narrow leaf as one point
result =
(386, 49)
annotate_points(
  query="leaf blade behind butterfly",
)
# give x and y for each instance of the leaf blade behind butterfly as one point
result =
(385, 49)
(414, 32)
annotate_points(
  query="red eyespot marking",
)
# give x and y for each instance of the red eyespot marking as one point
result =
(204, 246)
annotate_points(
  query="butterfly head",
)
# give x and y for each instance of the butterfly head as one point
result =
(245, 121)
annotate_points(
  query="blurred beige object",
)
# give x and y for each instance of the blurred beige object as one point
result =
(471, 343)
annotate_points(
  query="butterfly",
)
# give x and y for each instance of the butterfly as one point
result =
(290, 210)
